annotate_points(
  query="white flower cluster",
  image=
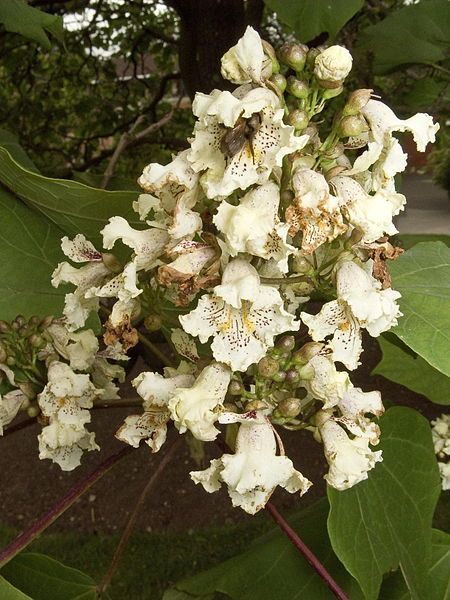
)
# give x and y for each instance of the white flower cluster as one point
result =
(263, 209)
(55, 390)
(441, 439)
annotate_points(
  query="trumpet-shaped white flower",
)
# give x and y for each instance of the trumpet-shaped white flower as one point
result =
(151, 426)
(253, 225)
(375, 309)
(67, 395)
(371, 214)
(148, 245)
(333, 64)
(254, 471)
(65, 400)
(251, 160)
(242, 315)
(78, 305)
(336, 319)
(10, 404)
(381, 144)
(78, 348)
(350, 460)
(354, 407)
(246, 62)
(314, 211)
(176, 191)
(157, 389)
(196, 408)
(64, 444)
(324, 381)
(361, 303)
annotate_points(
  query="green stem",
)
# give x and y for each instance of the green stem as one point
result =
(155, 350)
(286, 280)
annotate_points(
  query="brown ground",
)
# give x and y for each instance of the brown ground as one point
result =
(30, 486)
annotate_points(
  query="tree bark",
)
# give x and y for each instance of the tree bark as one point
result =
(208, 29)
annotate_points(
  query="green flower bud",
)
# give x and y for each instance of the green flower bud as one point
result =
(33, 321)
(229, 407)
(268, 366)
(235, 388)
(279, 377)
(293, 55)
(11, 361)
(33, 410)
(301, 265)
(298, 118)
(292, 376)
(37, 341)
(286, 343)
(356, 102)
(111, 263)
(20, 320)
(313, 53)
(4, 326)
(352, 126)
(45, 323)
(289, 407)
(297, 88)
(152, 322)
(306, 353)
(3, 354)
(269, 51)
(279, 81)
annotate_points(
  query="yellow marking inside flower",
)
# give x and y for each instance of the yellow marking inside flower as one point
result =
(247, 322)
(344, 326)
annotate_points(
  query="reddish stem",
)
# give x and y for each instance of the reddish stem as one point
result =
(46, 520)
(306, 552)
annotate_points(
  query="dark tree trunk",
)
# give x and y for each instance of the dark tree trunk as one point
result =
(208, 29)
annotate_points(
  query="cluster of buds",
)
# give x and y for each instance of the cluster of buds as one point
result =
(270, 205)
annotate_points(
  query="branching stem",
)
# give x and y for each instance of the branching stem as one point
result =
(30, 534)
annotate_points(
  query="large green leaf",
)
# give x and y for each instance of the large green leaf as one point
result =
(422, 275)
(74, 207)
(310, 18)
(386, 521)
(273, 568)
(10, 142)
(44, 578)
(9, 592)
(30, 22)
(30, 248)
(407, 368)
(418, 33)
(438, 584)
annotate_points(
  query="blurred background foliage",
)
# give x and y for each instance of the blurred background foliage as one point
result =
(69, 96)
